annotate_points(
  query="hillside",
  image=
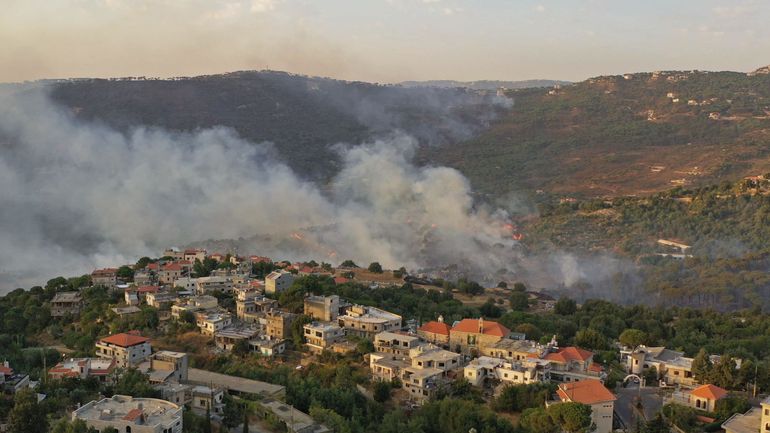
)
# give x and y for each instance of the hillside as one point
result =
(726, 227)
(485, 84)
(620, 135)
(302, 116)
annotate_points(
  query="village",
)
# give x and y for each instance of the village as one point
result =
(237, 311)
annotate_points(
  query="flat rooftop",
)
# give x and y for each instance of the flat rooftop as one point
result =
(145, 411)
(233, 383)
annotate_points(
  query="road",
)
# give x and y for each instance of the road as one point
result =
(624, 406)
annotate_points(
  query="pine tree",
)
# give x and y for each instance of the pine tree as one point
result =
(27, 416)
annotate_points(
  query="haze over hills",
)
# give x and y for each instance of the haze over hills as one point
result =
(484, 84)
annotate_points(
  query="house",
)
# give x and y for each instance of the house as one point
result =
(207, 398)
(83, 368)
(12, 382)
(704, 397)
(515, 350)
(175, 392)
(107, 277)
(436, 332)
(173, 254)
(160, 300)
(193, 305)
(209, 284)
(672, 366)
(278, 281)
(755, 420)
(194, 254)
(131, 415)
(66, 303)
(473, 335)
(251, 310)
(324, 308)
(144, 277)
(268, 346)
(212, 322)
(571, 364)
(485, 368)
(591, 392)
(227, 338)
(367, 322)
(169, 272)
(395, 343)
(320, 336)
(288, 418)
(126, 311)
(278, 324)
(127, 349)
(166, 365)
(185, 283)
(130, 297)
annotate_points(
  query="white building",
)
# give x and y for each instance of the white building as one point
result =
(205, 285)
(367, 322)
(591, 392)
(127, 349)
(131, 415)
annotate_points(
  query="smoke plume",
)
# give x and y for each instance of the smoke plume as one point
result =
(79, 195)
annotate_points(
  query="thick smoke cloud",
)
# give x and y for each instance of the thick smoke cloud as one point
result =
(77, 195)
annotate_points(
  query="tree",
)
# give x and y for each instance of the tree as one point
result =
(723, 372)
(375, 267)
(27, 416)
(364, 346)
(632, 337)
(519, 301)
(142, 262)
(571, 417)
(490, 309)
(348, 264)
(519, 287)
(381, 391)
(701, 366)
(591, 339)
(537, 420)
(502, 285)
(245, 422)
(125, 273)
(651, 376)
(241, 348)
(656, 425)
(565, 307)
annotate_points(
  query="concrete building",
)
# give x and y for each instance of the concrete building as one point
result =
(268, 347)
(278, 281)
(210, 284)
(673, 367)
(498, 370)
(107, 277)
(83, 368)
(194, 254)
(367, 322)
(169, 272)
(254, 308)
(591, 392)
(127, 349)
(64, 303)
(291, 420)
(571, 364)
(206, 397)
(166, 365)
(704, 397)
(395, 343)
(212, 322)
(471, 336)
(323, 308)
(515, 350)
(436, 332)
(755, 420)
(320, 336)
(226, 339)
(185, 283)
(278, 324)
(160, 300)
(131, 415)
(194, 304)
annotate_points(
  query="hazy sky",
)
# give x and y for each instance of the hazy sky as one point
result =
(380, 40)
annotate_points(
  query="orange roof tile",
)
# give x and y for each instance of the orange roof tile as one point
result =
(490, 328)
(133, 414)
(587, 391)
(434, 327)
(6, 370)
(710, 392)
(340, 280)
(568, 354)
(125, 340)
(595, 367)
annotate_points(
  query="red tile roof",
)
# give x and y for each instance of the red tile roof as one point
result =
(172, 267)
(709, 392)
(490, 328)
(595, 367)
(341, 280)
(148, 289)
(6, 370)
(125, 339)
(434, 327)
(587, 391)
(105, 271)
(568, 354)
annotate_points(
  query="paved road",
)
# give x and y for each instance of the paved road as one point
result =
(627, 397)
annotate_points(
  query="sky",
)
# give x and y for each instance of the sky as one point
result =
(380, 40)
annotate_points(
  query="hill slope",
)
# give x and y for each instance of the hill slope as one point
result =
(619, 135)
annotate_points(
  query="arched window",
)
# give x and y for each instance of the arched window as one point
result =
(128, 429)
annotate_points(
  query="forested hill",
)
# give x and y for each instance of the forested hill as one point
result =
(620, 135)
(303, 116)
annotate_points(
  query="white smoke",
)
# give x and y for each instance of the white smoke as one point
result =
(76, 196)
